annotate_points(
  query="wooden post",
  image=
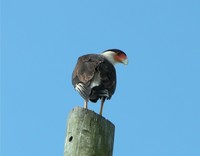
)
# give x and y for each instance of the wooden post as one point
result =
(88, 134)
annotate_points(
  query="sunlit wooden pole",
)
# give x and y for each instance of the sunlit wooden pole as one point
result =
(88, 134)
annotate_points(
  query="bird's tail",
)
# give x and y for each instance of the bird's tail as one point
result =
(83, 90)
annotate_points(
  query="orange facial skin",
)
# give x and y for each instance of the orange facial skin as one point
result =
(120, 57)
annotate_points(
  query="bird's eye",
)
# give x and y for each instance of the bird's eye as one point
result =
(118, 54)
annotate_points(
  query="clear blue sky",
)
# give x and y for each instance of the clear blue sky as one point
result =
(156, 107)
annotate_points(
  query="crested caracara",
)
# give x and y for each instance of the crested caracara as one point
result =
(94, 76)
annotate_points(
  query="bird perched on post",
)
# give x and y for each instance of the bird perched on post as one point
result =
(94, 76)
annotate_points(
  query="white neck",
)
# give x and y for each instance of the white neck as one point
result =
(109, 56)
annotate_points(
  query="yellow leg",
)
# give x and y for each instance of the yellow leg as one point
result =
(85, 104)
(102, 103)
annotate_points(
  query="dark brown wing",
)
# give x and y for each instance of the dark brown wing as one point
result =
(108, 77)
(85, 69)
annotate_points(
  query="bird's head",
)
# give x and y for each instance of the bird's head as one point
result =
(115, 56)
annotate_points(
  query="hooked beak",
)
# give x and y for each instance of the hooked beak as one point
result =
(125, 62)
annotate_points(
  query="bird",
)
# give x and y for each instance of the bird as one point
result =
(94, 75)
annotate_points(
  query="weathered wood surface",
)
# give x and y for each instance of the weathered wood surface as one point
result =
(88, 134)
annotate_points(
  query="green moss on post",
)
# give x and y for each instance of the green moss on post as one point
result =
(88, 134)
